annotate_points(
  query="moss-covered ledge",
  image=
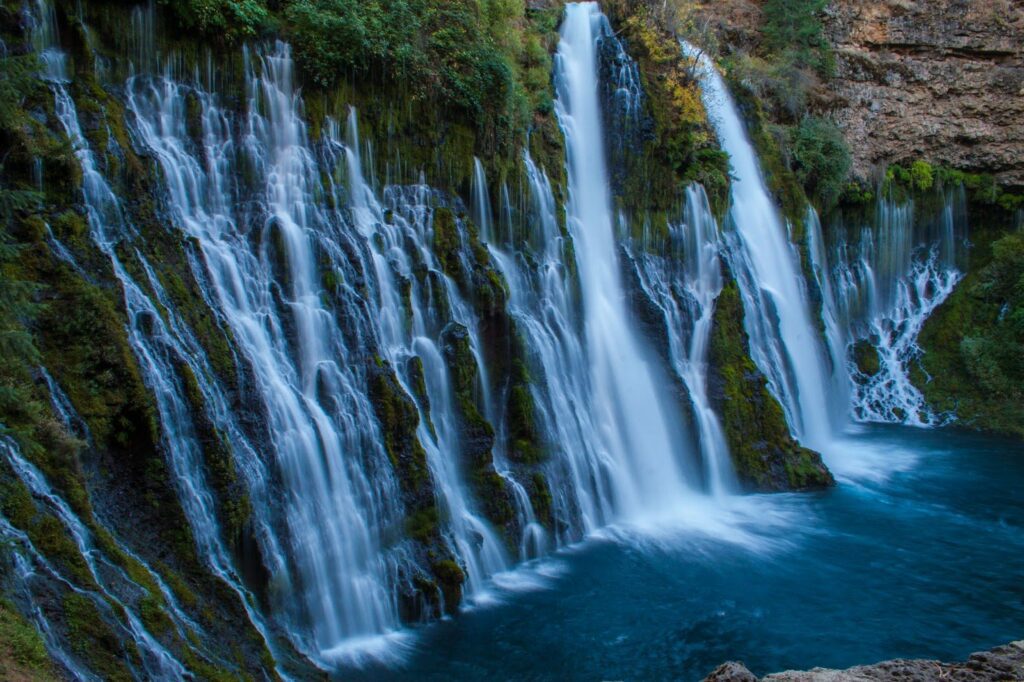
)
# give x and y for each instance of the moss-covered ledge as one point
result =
(764, 454)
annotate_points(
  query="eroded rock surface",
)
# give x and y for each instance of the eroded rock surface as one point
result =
(941, 80)
(1002, 663)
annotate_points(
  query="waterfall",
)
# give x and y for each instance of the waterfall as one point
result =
(784, 340)
(542, 300)
(684, 282)
(414, 330)
(880, 283)
(159, 343)
(642, 447)
(267, 284)
(482, 202)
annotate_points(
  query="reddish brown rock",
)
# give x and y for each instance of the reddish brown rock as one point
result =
(941, 80)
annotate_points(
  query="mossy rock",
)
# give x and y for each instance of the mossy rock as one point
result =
(973, 343)
(23, 654)
(866, 358)
(764, 454)
(449, 579)
(93, 639)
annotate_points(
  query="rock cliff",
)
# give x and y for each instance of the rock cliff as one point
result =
(941, 81)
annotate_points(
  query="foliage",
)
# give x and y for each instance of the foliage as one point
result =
(921, 176)
(17, 350)
(484, 59)
(781, 84)
(793, 32)
(674, 144)
(974, 343)
(821, 159)
(22, 651)
(232, 20)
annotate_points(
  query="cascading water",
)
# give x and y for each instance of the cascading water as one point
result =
(684, 283)
(643, 451)
(154, 337)
(784, 341)
(879, 284)
(403, 339)
(541, 299)
(319, 279)
(268, 287)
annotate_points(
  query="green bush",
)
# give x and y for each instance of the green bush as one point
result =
(793, 29)
(821, 159)
(231, 19)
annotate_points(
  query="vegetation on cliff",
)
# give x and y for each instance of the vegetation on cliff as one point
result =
(973, 364)
(674, 144)
(781, 73)
(764, 454)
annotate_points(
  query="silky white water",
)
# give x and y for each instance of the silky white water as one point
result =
(683, 278)
(784, 340)
(323, 281)
(643, 448)
(880, 283)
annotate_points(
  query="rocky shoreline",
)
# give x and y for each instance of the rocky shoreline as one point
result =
(1001, 663)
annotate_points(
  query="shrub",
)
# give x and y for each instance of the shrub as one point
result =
(922, 175)
(231, 19)
(793, 29)
(821, 159)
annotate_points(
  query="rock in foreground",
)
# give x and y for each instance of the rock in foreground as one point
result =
(1001, 663)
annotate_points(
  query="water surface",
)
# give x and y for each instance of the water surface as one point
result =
(919, 552)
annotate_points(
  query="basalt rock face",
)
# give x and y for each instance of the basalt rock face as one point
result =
(941, 81)
(1001, 663)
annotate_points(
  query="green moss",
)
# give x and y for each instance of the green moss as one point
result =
(447, 243)
(92, 639)
(50, 537)
(658, 164)
(23, 653)
(423, 524)
(540, 498)
(449, 578)
(973, 342)
(865, 356)
(902, 183)
(765, 456)
(524, 437)
(399, 419)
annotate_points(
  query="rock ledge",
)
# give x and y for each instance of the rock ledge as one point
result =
(1004, 663)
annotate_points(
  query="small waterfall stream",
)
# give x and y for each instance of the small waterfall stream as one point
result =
(879, 285)
(684, 283)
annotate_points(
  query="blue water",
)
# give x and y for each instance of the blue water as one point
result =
(919, 552)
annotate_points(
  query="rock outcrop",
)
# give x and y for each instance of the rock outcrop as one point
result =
(941, 81)
(1001, 663)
